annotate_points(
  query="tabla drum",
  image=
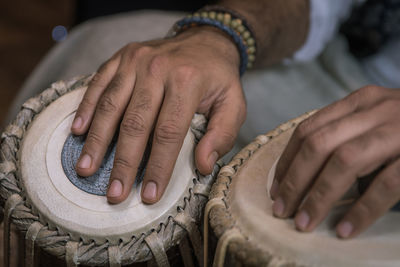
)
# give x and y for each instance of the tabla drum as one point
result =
(240, 213)
(68, 217)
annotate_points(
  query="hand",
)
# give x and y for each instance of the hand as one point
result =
(158, 86)
(330, 150)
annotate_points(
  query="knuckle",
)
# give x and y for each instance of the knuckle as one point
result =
(134, 52)
(364, 210)
(345, 157)
(364, 93)
(144, 103)
(369, 91)
(120, 162)
(133, 125)
(140, 51)
(94, 138)
(322, 191)
(289, 188)
(97, 79)
(314, 144)
(316, 201)
(107, 105)
(156, 64)
(391, 182)
(184, 75)
(303, 129)
(116, 83)
(177, 108)
(157, 171)
(168, 133)
(87, 102)
(185, 70)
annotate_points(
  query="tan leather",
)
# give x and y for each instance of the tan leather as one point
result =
(250, 208)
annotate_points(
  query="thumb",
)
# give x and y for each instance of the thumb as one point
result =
(225, 121)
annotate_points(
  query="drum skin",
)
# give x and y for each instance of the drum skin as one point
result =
(80, 228)
(260, 239)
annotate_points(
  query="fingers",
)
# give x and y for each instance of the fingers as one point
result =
(109, 110)
(172, 125)
(225, 120)
(312, 155)
(98, 84)
(382, 194)
(134, 132)
(353, 159)
(359, 100)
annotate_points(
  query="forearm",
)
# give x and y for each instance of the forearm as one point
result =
(280, 27)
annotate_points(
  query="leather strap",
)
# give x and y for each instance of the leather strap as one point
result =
(190, 227)
(157, 249)
(12, 202)
(114, 256)
(71, 254)
(30, 237)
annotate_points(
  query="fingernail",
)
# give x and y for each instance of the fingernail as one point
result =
(345, 229)
(150, 191)
(278, 207)
(302, 220)
(274, 189)
(213, 158)
(85, 162)
(115, 189)
(77, 124)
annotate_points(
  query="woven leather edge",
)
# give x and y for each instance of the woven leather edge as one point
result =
(221, 219)
(54, 240)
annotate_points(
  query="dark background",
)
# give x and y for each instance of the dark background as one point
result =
(26, 26)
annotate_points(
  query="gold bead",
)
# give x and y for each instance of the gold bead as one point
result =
(204, 14)
(212, 15)
(241, 28)
(234, 23)
(251, 50)
(250, 41)
(189, 16)
(196, 14)
(249, 65)
(220, 17)
(251, 58)
(246, 34)
(227, 19)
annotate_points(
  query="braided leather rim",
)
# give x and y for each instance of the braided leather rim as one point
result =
(53, 240)
(221, 219)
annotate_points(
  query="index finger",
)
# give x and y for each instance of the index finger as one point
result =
(358, 100)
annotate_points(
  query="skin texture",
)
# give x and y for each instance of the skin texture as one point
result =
(152, 90)
(329, 151)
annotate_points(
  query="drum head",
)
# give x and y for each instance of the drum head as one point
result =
(249, 205)
(82, 215)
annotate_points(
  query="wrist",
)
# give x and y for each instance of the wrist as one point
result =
(215, 38)
(224, 21)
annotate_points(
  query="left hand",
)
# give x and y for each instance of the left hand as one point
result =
(330, 150)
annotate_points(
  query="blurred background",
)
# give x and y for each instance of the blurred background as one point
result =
(29, 28)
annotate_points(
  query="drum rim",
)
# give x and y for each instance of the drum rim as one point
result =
(54, 240)
(220, 216)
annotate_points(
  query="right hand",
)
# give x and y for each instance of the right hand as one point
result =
(158, 86)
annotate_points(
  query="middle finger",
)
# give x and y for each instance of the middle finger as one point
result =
(134, 132)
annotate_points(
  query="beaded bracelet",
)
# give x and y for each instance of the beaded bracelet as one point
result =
(230, 23)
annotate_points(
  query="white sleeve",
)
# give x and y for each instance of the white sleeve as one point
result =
(325, 16)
